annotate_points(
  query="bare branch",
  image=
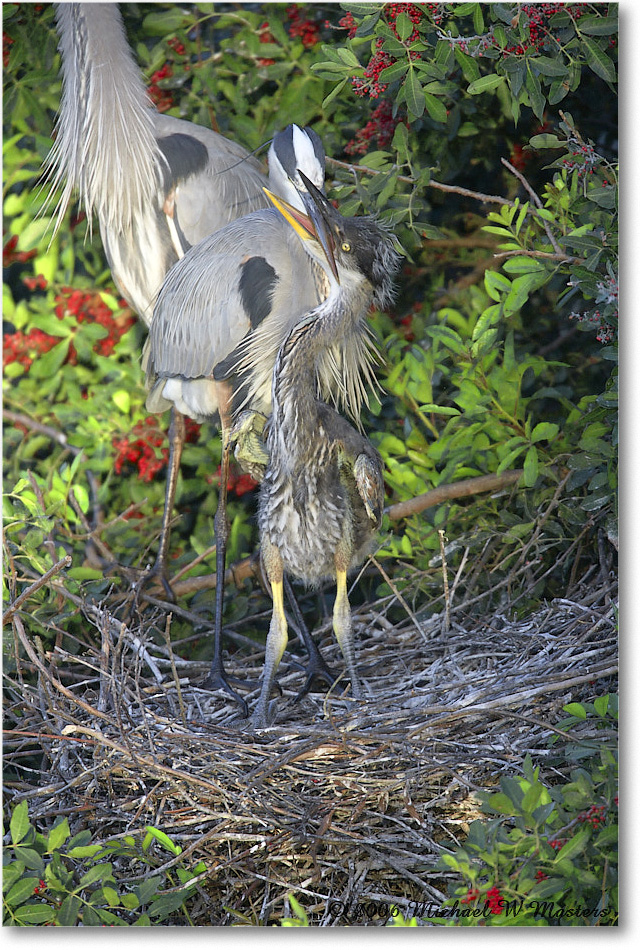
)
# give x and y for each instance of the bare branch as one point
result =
(469, 486)
(536, 199)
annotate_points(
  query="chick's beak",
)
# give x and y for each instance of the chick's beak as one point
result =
(313, 225)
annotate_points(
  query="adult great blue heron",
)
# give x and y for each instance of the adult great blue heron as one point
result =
(224, 309)
(321, 497)
(156, 184)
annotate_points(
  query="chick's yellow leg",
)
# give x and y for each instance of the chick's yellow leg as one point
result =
(342, 625)
(277, 636)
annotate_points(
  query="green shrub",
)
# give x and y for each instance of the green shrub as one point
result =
(550, 857)
(56, 880)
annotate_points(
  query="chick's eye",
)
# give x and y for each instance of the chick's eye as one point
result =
(346, 247)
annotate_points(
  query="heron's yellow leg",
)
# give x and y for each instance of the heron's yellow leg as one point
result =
(342, 625)
(275, 645)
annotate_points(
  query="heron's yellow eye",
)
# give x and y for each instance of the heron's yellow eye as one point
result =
(346, 247)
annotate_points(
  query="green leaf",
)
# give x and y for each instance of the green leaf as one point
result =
(31, 236)
(123, 400)
(166, 23)
(484, 84)
(21, 891)
(129, 901)
(148, 888)
(35, 914)
(394, 72)
(545, 140)
(535, 95)
(47, 366)
(440, 410)
(607, 836)
(601, 704)
(58, 835)
(548, 66)
(335, 92)
(30, 858)
(521, 289)
(523, 265)
(502, 803)
(99, 872)
(435, 108)
(598, 25)
(544, 432)
(413, 94)
(531, 467)
(533, 796)
(19, 824)
(598, 61)
(163, 839)
(573, 847)
(496, 284)
(403, 26)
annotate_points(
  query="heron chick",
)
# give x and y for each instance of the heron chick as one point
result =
(321, 497)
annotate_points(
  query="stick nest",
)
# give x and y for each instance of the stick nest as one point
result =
(338, 803)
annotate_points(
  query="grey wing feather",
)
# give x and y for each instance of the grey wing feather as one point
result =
(233, 176)
(201, 315)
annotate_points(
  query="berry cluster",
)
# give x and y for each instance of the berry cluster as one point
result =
(90, 307)
(265, 37)
(35, 283)
(23, 348)
(140, 448)
(370, 85)
(162, 98)
(11, 256)
(40, 887)
(308, 30)
(348, 23)
(495, 900)
(595, 815)
(471, 896)
(175, 44)
(582, 158)
(605, 332)
(557, 843)
(380, 126)
(238, 482)
(540, 876)
(492, 899)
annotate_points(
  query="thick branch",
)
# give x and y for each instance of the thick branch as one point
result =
(463, 489)
(18, 419)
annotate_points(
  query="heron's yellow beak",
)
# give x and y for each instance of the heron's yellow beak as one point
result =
(308, 227)
(301, 223)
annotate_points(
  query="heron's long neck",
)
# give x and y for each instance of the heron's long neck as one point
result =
(105, 145)
(295, 381)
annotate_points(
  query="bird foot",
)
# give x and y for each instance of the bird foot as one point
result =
(218, 680)
(317, 669)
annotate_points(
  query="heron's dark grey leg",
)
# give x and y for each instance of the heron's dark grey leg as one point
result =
(216, 678)
(176, 436)
(317, 667)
